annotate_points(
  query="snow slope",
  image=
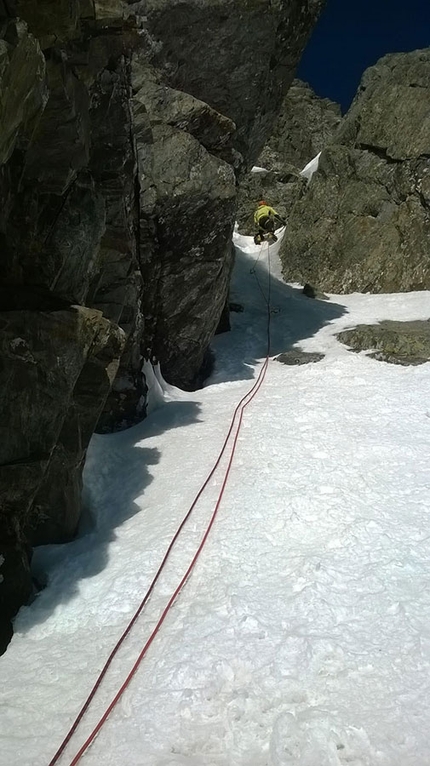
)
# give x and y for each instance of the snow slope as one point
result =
(302, 637)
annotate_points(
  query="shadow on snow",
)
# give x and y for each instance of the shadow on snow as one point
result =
(116, 474)
(116, 471)
(294, 317)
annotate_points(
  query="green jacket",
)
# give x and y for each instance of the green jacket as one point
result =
(265, 210)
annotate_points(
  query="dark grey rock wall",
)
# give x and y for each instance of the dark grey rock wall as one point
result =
(364, 222)
(123, 127)
(305, 125)
(239, 56)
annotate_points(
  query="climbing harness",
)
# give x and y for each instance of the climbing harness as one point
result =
(233, 431)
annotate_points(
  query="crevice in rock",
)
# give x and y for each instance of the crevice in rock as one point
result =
(379, 151)
(30, 298)
(37, 457)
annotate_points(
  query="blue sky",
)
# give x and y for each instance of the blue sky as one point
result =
(351, 36)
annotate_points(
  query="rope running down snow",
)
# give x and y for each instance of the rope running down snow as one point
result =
(237, 415)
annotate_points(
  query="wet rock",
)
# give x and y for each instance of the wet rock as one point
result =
(40, 369)
(55, 512)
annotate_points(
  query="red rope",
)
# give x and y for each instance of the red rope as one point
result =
(240, 408)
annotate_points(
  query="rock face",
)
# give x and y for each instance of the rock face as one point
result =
(186, 203)
(364, 222)
(306, 124)
(56, 368)
(239, 56)
(396, 342)
(123, 127)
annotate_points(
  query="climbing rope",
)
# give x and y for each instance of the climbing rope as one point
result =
(253, 271)
(235, 420)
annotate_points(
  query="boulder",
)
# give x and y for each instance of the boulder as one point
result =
(296, 357)
(364, 224)
(406, 343)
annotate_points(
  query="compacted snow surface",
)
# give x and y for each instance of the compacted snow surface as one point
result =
(302, 637)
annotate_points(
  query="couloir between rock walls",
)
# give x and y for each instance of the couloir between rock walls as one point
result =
(123, 130)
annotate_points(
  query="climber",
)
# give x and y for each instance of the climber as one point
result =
(266, 218)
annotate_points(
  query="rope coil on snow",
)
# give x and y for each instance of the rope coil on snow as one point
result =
(237, 415)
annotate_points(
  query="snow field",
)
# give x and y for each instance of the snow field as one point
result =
(301, 638)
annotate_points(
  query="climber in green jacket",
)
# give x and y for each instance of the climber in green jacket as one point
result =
(266, 218)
